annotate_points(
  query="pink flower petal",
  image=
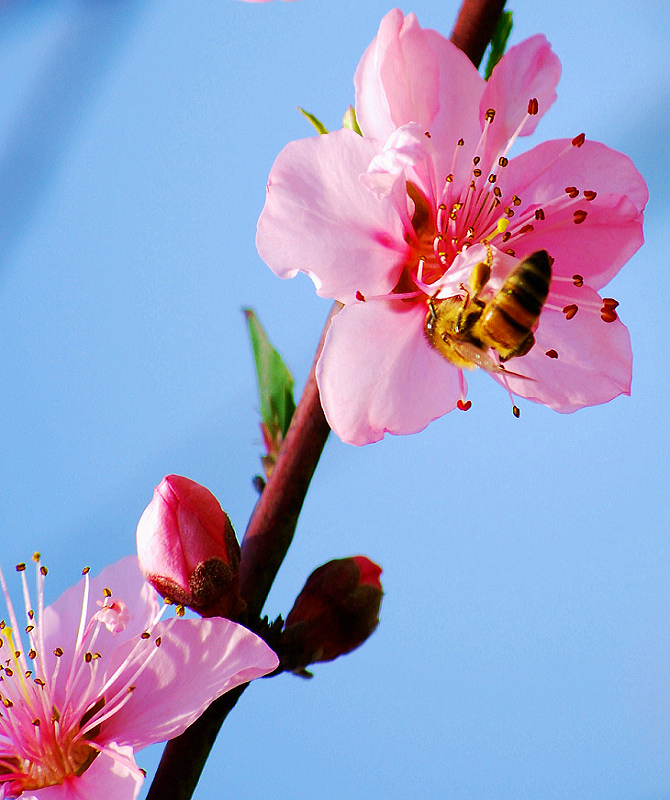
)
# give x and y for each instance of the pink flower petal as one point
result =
(106, 779)
(594, 360)
(598, 247)
(529, 70)
(320, 219)
(411, 74)
(378, 375)
(198, 660)
(62, 617)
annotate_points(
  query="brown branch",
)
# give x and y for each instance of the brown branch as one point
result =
(475, 26)
(268, 537)
(275, 517)
(272, 525)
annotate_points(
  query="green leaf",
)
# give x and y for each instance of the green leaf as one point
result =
(275, 383)
(320, 127)
(349, 121)
(499, 42)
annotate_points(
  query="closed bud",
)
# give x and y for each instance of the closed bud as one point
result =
(187, 548)
(335, 613)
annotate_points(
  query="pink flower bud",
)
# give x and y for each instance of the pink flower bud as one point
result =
(187, 548)
(334, 614)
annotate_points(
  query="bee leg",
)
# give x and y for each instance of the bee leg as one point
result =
(432, 316)
(479, 277)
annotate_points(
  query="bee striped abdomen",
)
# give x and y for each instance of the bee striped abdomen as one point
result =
(510, 316)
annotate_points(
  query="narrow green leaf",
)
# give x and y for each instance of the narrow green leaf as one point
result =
(349, 121)
(275, 382)
(499, 42)
(320, 127)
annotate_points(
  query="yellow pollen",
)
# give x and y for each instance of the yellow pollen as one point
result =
(500, 228)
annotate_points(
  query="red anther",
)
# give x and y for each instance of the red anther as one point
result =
(539, 213)
(503, 161)
(464, 406)
(608, 314)
(578, 141)
(360, 297)
(476, 160)
(578, 280)
(573, 191)
(533, 106)
(579, 217)
(516, 411)
(461, 142)
(527, 229)
(490, 114)
(590, 195)
(510, 252)
(516, 200)
(610, 302)
(570, 310)
(427, 134)
(551, 353)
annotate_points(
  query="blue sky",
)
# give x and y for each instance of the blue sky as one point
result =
(524, 648)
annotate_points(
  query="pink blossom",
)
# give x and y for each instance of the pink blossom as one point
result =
(387, 221)
(100, 676)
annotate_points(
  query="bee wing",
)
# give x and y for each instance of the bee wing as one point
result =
(481, 358)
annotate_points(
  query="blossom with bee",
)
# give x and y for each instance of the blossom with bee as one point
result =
(97, 675)
(393, 224)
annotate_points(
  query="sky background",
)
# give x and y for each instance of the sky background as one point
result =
(524, 645)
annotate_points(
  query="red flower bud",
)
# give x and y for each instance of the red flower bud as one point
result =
(334, 614)
(187, 548)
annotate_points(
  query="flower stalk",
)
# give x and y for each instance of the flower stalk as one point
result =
(475, 26)
(273, 522)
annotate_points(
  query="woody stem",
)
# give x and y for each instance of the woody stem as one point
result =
(273, 522)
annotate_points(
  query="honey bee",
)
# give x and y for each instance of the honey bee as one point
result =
(464, 328)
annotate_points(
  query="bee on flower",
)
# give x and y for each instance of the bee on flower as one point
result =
(424, 227)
